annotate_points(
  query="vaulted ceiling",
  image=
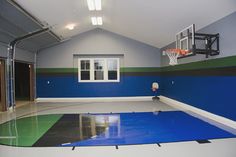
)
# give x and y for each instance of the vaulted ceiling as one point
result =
(154, 22)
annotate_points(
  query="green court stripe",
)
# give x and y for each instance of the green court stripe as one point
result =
(27, 130)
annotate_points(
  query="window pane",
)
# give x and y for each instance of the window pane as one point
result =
(112, 64)
(85, 64)
(82, 65)
(98, 75)
(112, 75)
(98, 64)
(85, 75)
(102, 69)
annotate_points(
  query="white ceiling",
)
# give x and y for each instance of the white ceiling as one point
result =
(154, 22)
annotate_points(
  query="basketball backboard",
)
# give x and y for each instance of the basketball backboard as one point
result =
(185, 40)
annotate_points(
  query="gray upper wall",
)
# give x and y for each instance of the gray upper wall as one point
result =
(99, 41)
(21, 55)
(226, 27)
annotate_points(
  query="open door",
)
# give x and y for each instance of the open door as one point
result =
(3, 106)
(24, 83)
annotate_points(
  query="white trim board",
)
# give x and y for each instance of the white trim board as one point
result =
(95, 99)
(203, 113)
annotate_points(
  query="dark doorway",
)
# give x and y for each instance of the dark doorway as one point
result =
(2, 86)
(22, 81)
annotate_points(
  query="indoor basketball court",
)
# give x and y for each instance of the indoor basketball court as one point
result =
(118, 78)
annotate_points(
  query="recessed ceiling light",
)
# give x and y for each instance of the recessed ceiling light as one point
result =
(96, 20)
(70, 26)
(94, 5)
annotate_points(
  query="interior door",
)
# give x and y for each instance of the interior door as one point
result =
(2, 86)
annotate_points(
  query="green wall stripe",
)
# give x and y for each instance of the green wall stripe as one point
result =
(140, 69)
(141, 74)
(225, 71)
(56, 70)
(213, 63)
(122, 69)
(207, 64)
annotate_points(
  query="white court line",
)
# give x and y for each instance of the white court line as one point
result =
(7, 137)
(65, 144)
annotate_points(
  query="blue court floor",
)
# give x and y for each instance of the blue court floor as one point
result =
(149, 128)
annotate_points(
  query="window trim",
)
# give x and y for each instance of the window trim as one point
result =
(92, 70)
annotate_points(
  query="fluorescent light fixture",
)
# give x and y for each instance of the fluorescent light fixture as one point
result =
(98, 4)
(70, 26)
(99, 20)
(94, 5)
(96, 20)
(91, 5)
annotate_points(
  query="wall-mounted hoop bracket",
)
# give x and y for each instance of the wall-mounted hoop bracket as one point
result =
(211, 47)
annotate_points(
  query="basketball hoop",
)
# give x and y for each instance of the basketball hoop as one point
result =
(155, 87)
(173, 55)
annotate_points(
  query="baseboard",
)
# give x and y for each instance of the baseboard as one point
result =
(203, 113)
(95, 99)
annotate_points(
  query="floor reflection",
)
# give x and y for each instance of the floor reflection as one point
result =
(93, 125)
(78, 127)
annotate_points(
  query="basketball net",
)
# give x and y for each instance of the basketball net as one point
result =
(173, 55)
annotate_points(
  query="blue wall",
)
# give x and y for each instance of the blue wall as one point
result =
(215, 94)
(68, 86)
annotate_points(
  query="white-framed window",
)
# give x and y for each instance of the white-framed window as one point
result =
(99, 70)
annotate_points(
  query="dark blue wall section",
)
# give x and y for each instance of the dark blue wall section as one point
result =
(215, 94)
(68, 86)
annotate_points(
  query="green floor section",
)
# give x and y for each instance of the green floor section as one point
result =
(26, 131)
